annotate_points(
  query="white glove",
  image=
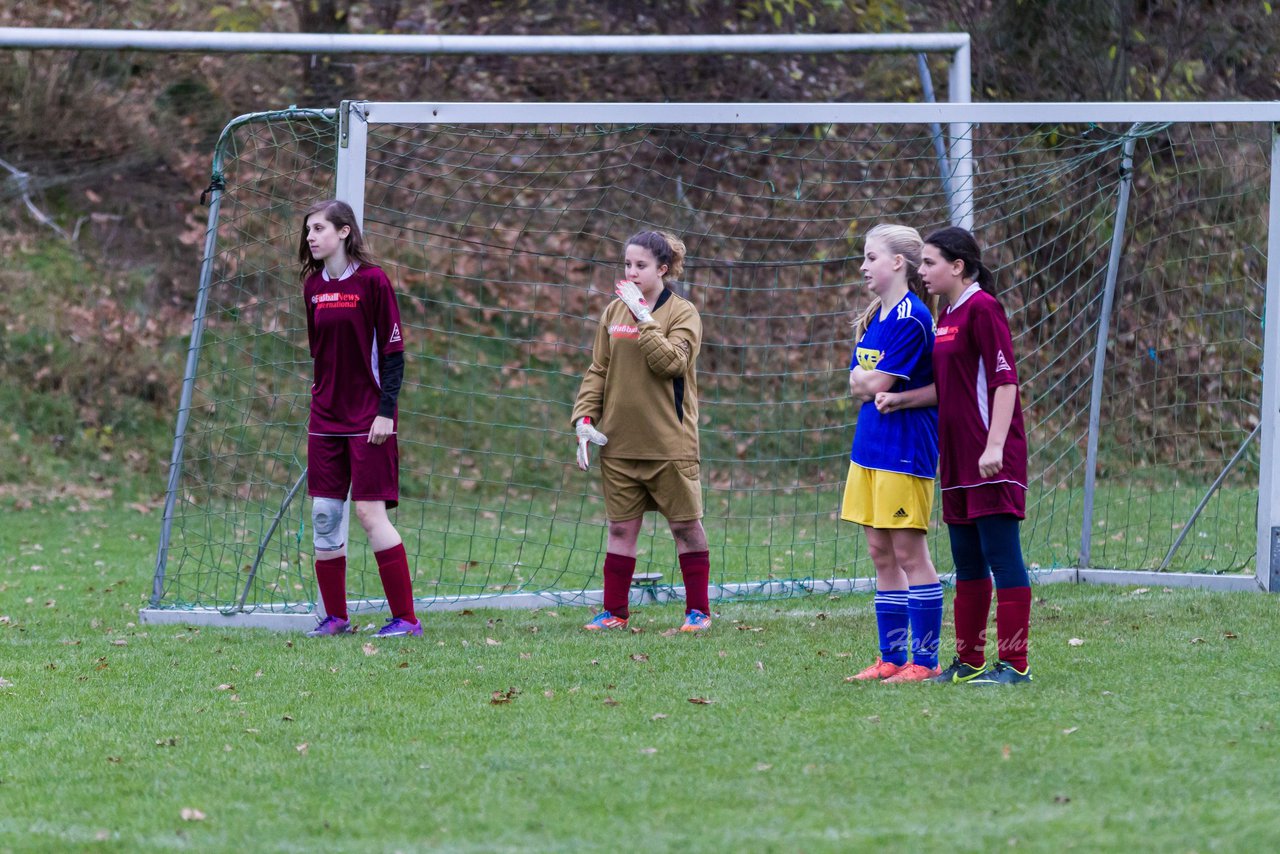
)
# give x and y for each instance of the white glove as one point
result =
(630, 294)
(587, 433)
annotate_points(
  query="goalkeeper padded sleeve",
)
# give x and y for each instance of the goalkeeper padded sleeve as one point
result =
(390, 376)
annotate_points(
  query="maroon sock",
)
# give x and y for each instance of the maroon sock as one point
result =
(331, 576)
(1013, 625)
(618, 570)
(393, 568)
(695, 567)
(972, 607)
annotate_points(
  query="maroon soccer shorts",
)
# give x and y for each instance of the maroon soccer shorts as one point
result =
(962, 505)
(338, 463)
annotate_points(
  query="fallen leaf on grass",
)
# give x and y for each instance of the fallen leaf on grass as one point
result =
(1230, 635)
(670, 633)
(1076, 642)
(549, 694)
(701, 701)
(1197, 640)
(875, 719)
(1070, 730)
(286, 717)
(492, 642)
(1061, 799)
(745, 628)
(369, 649)
(120, 642)
(1005, 751)
(225, 686)
(102, 835)
(525, 656)
(658, 717)
(114, 760)
(171, 741)
(5, 683)
(760, 666)
(639, 656)
(402, 665)
(648, 751)
(609, 701)
(192, 814)
(763, 766)
(303, 748)
(1140, 591)
(497, 698)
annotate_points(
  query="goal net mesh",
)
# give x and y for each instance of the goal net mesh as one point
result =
(504, 241)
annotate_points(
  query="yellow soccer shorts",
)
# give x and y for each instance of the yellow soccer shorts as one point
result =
(887, 499)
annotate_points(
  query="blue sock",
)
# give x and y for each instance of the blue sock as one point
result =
(891, 621)
(924, 607)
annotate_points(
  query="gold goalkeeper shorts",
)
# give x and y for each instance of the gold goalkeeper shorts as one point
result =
(633, 487)
(887, 499)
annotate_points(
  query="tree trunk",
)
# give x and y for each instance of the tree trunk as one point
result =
(326, 79)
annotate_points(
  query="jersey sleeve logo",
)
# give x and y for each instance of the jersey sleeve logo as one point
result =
(868, 358)
(395, 334)
(1002, 364)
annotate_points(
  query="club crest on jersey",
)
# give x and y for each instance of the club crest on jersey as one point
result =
(946, 333)
(395, 334)
(868, 358)
(1002, 364)
(623, 330)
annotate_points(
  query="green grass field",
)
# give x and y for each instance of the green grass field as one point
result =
(515, 731)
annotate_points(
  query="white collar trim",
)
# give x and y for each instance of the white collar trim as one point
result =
(968, 292)
(346, 274)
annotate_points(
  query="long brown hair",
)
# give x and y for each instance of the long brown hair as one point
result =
(899, 240)
(339, 214)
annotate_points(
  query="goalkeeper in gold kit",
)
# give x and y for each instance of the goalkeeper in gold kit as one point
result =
(639, 402)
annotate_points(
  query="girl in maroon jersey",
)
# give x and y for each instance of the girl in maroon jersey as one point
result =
(983, 450)
(353, 328)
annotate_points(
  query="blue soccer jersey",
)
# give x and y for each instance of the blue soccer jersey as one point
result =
(900, 345)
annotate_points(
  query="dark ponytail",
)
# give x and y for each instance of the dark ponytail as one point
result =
(956, 244)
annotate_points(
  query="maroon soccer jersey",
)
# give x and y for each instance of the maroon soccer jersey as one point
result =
(352, 323)
(972, 356)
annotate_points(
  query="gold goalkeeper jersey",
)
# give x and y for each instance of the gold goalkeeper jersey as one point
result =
(642, 388)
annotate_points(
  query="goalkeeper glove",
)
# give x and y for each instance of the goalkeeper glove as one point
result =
(630, 294)
(587, 433)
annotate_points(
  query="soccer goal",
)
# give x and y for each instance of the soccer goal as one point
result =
(1131, 245)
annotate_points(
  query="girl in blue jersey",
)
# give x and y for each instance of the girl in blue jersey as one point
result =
(894, 459)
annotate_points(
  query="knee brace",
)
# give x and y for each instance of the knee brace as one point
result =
(326, 523)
